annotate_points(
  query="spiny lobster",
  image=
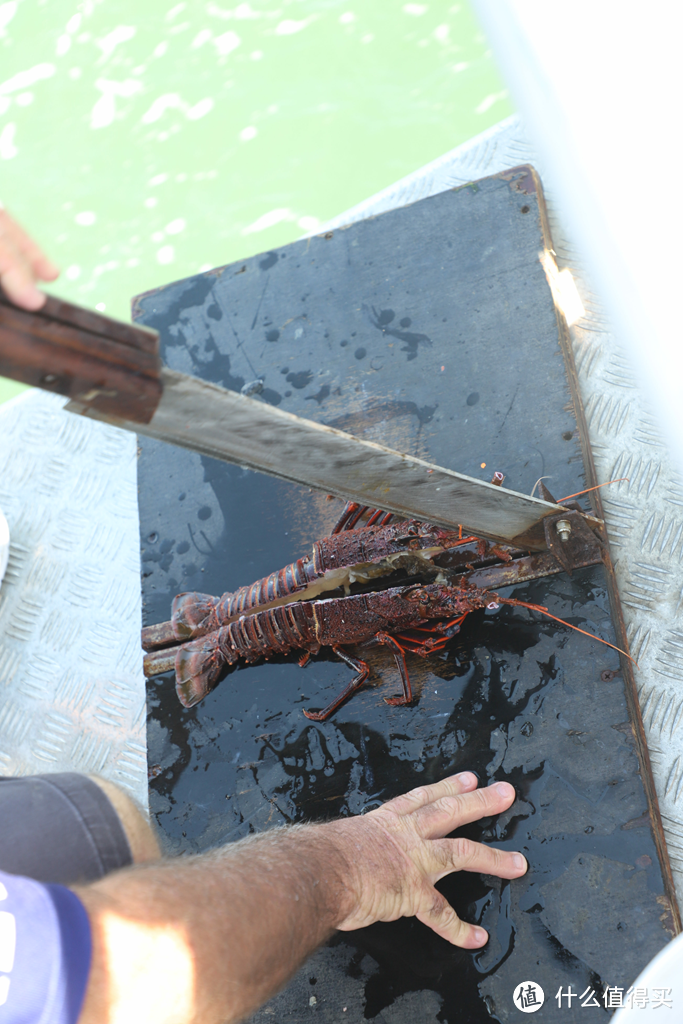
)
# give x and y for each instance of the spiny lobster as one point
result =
(347, 556)
(402, 618)
(406, 618)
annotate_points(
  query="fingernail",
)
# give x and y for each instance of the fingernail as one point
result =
(468, 779)
(519, 862)
(503, 788)
(480, 936)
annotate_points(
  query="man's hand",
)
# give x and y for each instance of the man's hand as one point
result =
(398, 852)
(22, 264)
(207, 939)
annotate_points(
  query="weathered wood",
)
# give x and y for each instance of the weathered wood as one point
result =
(99, 362)
(117, 330)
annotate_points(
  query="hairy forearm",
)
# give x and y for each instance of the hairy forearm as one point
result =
(210, 938)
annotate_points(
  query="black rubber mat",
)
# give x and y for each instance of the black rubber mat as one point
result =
(431, 329)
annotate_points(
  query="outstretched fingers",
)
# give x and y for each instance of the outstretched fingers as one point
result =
(437, 913)
(454, 785)
(408, 853)
(439, 817)
(446, 855)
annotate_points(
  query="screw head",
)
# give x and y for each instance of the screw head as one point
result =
(564, 529)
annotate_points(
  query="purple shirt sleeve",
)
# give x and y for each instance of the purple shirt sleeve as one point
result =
(45, 952)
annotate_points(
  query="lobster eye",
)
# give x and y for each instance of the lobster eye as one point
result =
(424, 598)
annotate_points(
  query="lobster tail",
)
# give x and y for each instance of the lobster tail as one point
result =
(281, 584)
(201, 663)
(193, 615)
(199, 666)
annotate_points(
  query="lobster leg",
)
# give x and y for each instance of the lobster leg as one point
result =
(438, 635)
(352, 514)
(426, 640)
(355, 684)
(356, 517)
(446, 629)
(422, 647)
(350, 509)
(390, 641)
(377, 514)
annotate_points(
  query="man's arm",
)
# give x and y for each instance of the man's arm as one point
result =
(22, 264)
(209, 938)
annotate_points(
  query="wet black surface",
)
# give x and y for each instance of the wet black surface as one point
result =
(512, 697)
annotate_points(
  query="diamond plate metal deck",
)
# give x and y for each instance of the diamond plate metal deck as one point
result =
(644, 516)
(72, 693)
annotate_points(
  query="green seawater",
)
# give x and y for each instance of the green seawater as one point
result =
(142, 141)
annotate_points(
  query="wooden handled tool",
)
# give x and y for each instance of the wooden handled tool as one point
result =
(112, 371)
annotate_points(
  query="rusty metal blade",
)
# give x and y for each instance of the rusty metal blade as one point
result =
(225, 425)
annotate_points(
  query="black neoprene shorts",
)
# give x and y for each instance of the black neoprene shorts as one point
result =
(59, 828)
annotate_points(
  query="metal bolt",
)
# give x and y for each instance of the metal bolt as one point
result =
(564, 528)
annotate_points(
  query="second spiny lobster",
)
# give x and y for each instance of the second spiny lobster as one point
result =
(402, 618)
(416, 618)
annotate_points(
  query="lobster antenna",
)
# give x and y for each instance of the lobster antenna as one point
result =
(464, 540)
(544, 611)
(568, 496)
